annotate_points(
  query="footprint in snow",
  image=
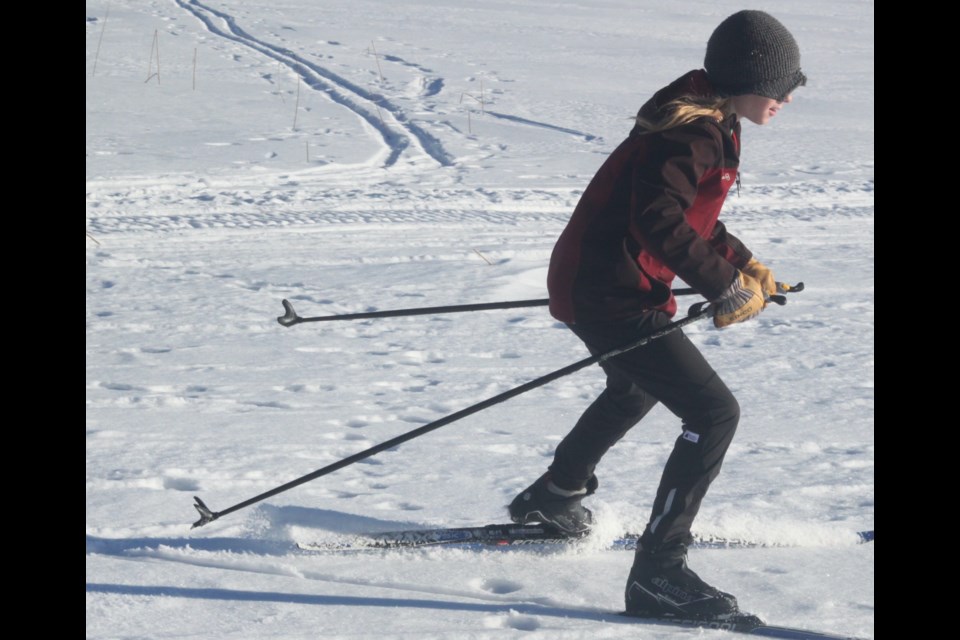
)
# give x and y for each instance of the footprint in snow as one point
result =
(181, 484)
(521, 622)
(512, 620)
(498, 586)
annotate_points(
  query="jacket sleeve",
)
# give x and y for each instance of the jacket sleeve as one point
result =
(729, 246)
(664, 187)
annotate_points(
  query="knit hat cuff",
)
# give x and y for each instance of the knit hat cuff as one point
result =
(774, 88)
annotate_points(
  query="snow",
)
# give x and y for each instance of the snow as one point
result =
(356, 156)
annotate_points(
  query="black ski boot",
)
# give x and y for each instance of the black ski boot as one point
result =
(545, 503)
(661, 585)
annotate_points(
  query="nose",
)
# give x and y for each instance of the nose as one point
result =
(788, 99)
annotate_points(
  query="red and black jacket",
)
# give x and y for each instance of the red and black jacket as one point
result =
(648, 215)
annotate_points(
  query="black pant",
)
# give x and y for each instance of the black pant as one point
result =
(670, 370)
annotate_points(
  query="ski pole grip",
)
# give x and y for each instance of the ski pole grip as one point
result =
(783, 287)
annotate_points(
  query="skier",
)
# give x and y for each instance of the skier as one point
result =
(648, 215)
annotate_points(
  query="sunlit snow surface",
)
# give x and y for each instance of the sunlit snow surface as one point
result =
(358, 156)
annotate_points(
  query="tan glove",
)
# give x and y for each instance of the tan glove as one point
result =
(756, 269)
(742, 300)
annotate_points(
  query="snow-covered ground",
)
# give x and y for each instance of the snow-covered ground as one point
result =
(352, 156)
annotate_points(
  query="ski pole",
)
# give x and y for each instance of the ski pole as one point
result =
(291, 318)
(206, 515)
(697, 312)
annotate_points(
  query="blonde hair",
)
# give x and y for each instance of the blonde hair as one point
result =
(686, 109)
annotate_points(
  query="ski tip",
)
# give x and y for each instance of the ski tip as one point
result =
(865, 536)
(289, 318)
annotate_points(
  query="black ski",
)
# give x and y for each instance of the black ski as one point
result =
(506, 535)
(747, 624)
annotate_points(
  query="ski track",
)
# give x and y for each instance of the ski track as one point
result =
(506, 603)
(366, 105)
(515, 614)
(279, 558)
(494, 595)
(287, 565)
(169, 210)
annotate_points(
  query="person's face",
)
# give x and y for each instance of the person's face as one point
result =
(758, 109)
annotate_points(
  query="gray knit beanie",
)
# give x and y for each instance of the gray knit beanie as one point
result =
(751, 52)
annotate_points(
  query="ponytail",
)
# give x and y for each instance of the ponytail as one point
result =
(684, 110)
